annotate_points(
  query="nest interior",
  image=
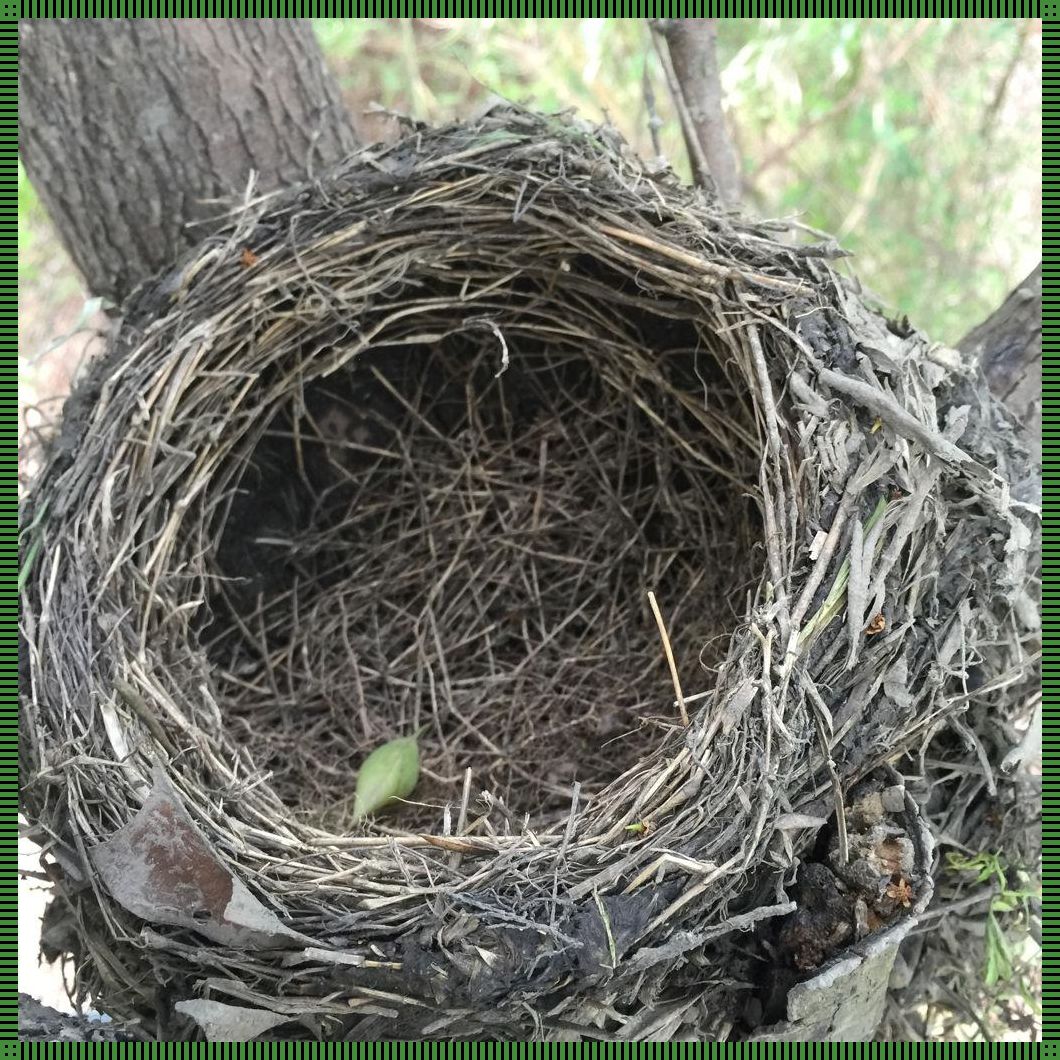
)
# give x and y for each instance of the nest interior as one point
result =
(454, 536)
(405, 450)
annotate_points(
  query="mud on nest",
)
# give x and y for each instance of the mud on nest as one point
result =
(407, 448)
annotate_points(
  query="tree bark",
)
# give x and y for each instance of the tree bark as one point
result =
(693, 67)
(132, 130)
(1008, 345)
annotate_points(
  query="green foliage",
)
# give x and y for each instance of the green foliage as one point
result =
(1001, 959)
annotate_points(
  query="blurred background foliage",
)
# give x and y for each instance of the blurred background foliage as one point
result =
(917, 142)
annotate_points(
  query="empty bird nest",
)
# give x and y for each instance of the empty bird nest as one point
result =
(404, 451)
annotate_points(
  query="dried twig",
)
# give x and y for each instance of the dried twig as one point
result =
(669, 657)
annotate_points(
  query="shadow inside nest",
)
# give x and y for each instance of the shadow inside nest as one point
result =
(458, 536)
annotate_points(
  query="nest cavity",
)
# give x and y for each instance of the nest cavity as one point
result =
(405, 451)
(453, 531)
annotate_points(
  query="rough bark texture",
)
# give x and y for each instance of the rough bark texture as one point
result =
(693, 48)
(128, 128)
(1009, 347)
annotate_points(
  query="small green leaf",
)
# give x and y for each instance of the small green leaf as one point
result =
(389, 772)
(34, 545)
(835, 601)
(27, 563)
(998, 954)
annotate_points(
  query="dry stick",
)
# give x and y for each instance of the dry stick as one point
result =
(895, 415)
(818, 707)
(669, 657)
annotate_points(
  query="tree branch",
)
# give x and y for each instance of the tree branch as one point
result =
(691, 67)
(1008, 345)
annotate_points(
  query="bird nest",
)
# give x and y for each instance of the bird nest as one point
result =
(404, 451)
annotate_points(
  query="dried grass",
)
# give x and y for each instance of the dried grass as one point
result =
(409, 447)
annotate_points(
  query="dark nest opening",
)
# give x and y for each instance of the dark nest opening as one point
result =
(406, 450)
(457, 538)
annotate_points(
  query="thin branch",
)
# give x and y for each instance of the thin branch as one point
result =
(696, 157)
(692, 69)
(654, 121)
(669, 657)
(990, 115)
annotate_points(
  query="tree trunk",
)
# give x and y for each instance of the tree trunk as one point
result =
(1008, 344)
(131, 130)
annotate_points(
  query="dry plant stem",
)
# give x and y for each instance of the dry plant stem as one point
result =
(823, 735)
(665, 637)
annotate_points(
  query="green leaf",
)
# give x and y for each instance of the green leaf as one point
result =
(837, 595)
(34, 546)
(389, 772)
(27, 563)
(998, 955)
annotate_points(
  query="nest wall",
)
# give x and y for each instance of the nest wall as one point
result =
(405, 450)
